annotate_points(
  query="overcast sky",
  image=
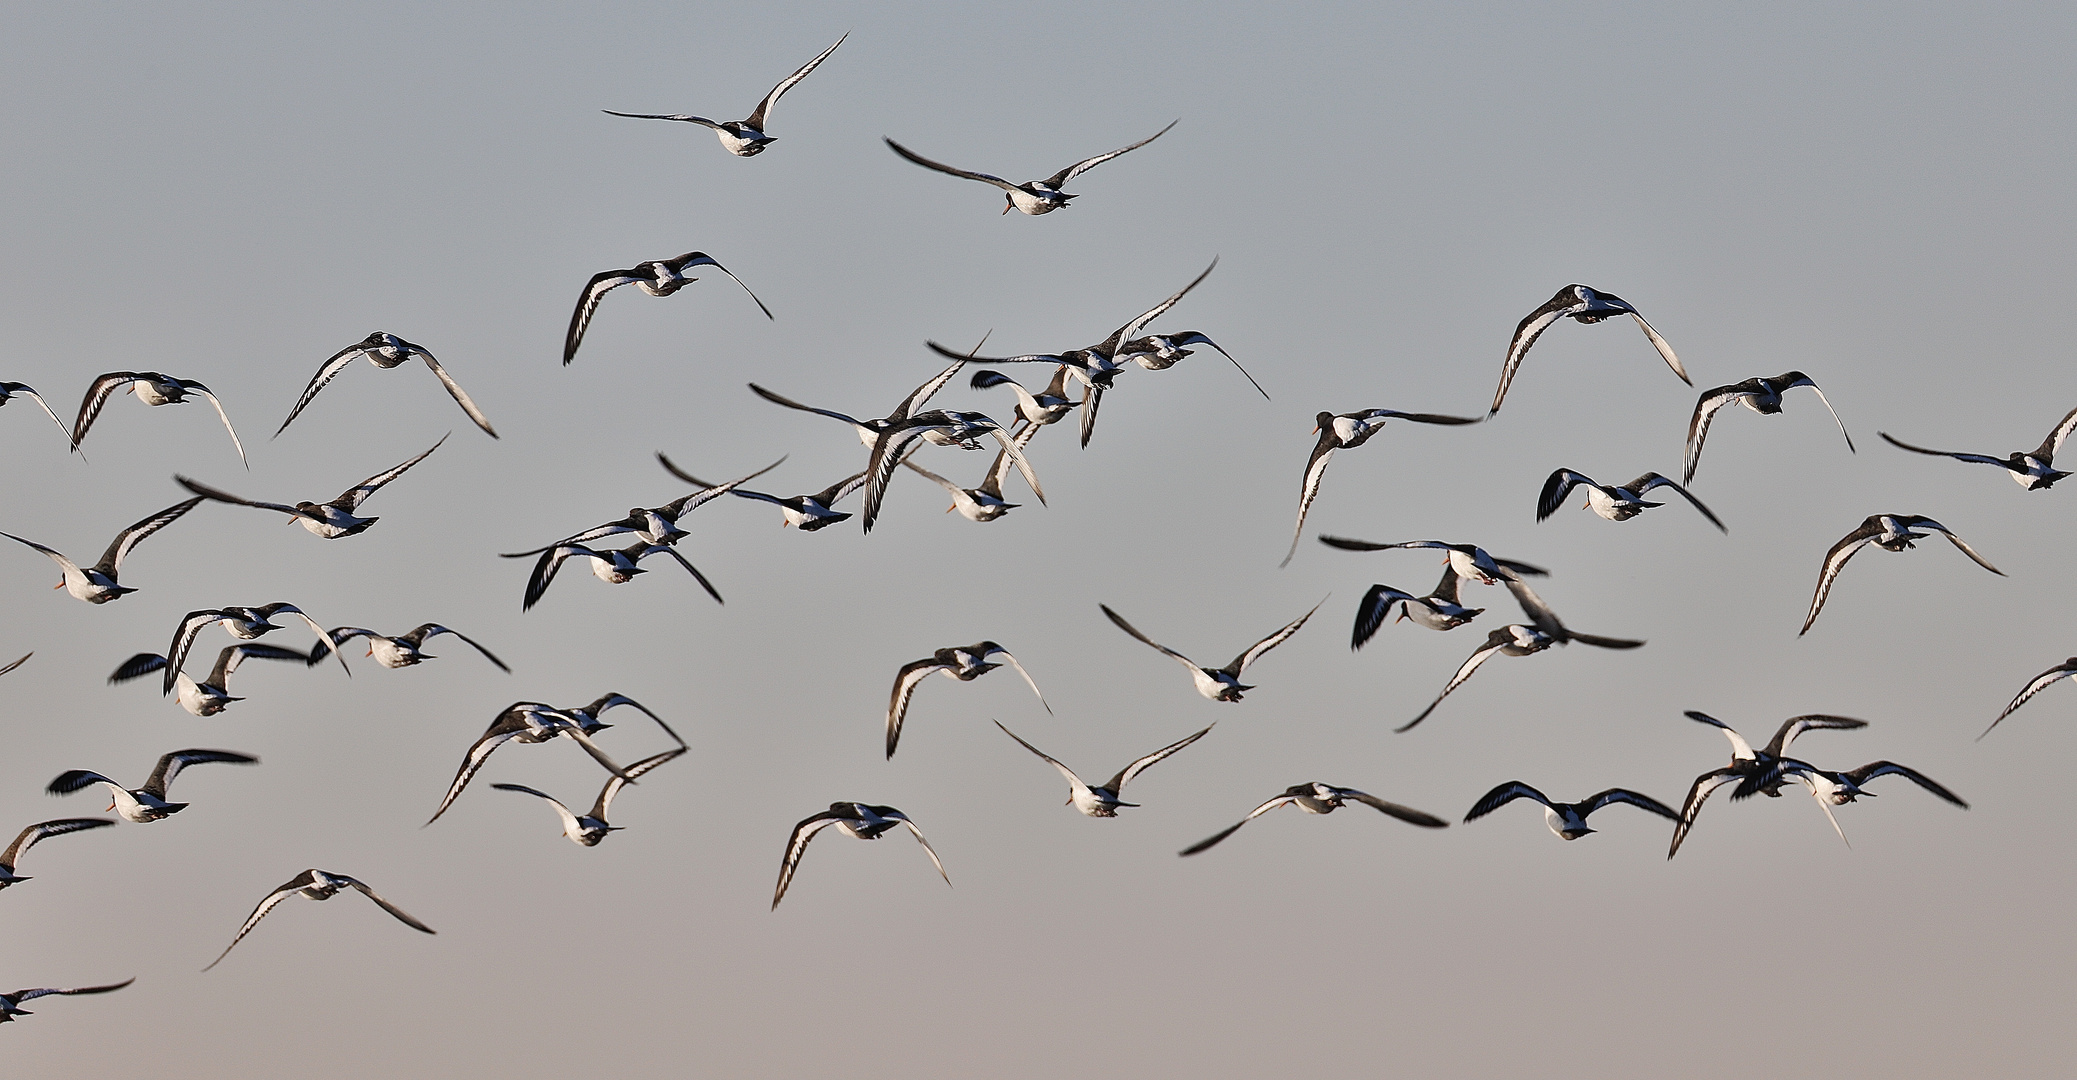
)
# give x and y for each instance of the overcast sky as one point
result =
(231, 193)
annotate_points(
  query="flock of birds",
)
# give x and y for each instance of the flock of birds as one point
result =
(1079, 378)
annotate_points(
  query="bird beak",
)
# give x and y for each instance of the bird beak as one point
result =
(1402, 616)
(371, 650)
(59, 585)
(1008, 204)
(951, 508)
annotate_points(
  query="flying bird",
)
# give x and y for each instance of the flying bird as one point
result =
(1048, 406)
(1762, 396)
(526, 722)
(1346, 432)
(1217, 684)
(330, 520)
(1581, 304)
(658, 277)
(1891, 532)
(147, 803)
(1567, 821)
(245, 623)
(1614, 503)
(612, 567)
(746, 137)
(964, 663)
(1832, 789)
(1543, 630)
(209, 696)
(1754, 771)
(1033, 197)
(8, 1002)
(984, 502)
(2034, 472)
(588, 830)
(401, 651)
(385, 350)
(96, 584)
(151, 388)
(1104, 801)
(655, 524)
(2040, 682)
(811, 512)
(1468, 560)
(859, 821)
(317, 885)
(36, 833)
(1318, 798)
(894, 444)
(1439, 610)
(10, 390)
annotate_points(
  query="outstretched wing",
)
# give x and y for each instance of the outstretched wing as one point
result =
(1494, 642)
(184, 639)
(2040, 682)
(1526, 332)
(1254, 652)
(112, 559)
(454, 389)
(792, 404)
(1984, 459)
(1556, 489)
(1391, 809)
(1929, 523)
(1145, 640)
(2050, 446)
(918, 834)
(602, 283)
(1235, 827)
(1501, 796)
(1706, 408)
(432, 629)
(796, 845)
(1665, 350)
(1705, 785)
(1125, 775)
(1131, 329)
(1371, 612)
(171, 764)
(917, 159)
(351, 499)
(701, 258)
(1309, 485)
(478, 753)
(686, 117)
(42, 830)
(689, 568)
(1797, 378)
(1797, 725)
(1890, 768)
(1074, 782)
(190, 384)
(25, 995)
(764, 107)
(906, 681)
(1835, 561)
(1005, 654)
(1633, 798)
(293, 886)
(326, 372)
(1652, 480)
(1086, 164)
(1740, 749)
(401, 915)
(97, 396)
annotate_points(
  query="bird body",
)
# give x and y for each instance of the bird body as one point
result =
(745, 137)
(1580, 304)
(1104, 800)
(329, 520)
(148, 803)
(1567, 821)
(1890, 532)
(1318, 798)
(1217, 684)
(1762, 396)
(859, 821)
(316, 884)
(1033, 197)
(152, 388)
(96, 584)
(2034, 471)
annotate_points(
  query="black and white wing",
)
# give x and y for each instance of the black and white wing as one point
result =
(545, 569)
(1086, 164)
(27, 391)
(571, 826)
(1706, 407)
(917, 159)
(25, 995)
(222, 496)
(679, 507)
(98, 393)
(1373, 610)
(170, 765)
(1125, 775)
(1665, 350)
(1652, 480)
(65, 563)
(1391, 809)
(2040, 682)
(191, 625)
(1309, 486)
(791, 404)
(1874, 769)
(290, 888)
(1740, 749)
(914, 403)
(1015, 450)
(1501, 796)
(1131, 330)
(764, 107)
(190, 384)
(1632, 798)
(1527, 331)
(1164, 650)
(604, 806)
(604, 282)
(1495, 641)
(1797, 725)
(700, 258)
(891, 812)
(137, 666)
(686, 117)
(1928, 523)
(1005, 654)
(335, 637)
(427, 630)
(1794, 379)
(1222, 834)
(478, 753)
(400, 914)
(119, 548)
(454, 390)
(1556, 488)
(352, 498)
(1254, 652)
(1982, 459)
(2050, 446)
(906, 681)
(228, 660)
(665, 549)
(43, 830)
(1705, 785)
(1074, 782)
(1538, 613)
(1835, 561)
(797, 844)
(326, 372)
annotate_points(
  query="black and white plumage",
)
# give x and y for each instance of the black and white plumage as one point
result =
(1103, 801)
(1469, 560)
(1754, 771)
(588, 830)
(657, 277)
(586, 717)
(654, 524)
(745, 137)
(1614, 503)
(1832, 789)
(859, 821)
(1048, 406)
(1567, 821)
(316, 885)
(1439, 610)
(400, 651)
(948, 427)
(1217, 684)
(1543, 630)
(1318, 798)
(2034, 471)
(246, 623)
(1762, 396)
(1346, 432)
(526, 722)
(152, 388)
(11, 390)
(982, 502)
(385, 350)
(9, 1002)
(811, 512)
(34, 834)
(614, 567)
(868, 431)
(96, 584)
(1033, 197)
(205, 697)
(1891, 532)
(148, 803)
(1581, 304)
(964, 663)
(2039, 683)
(330, 520)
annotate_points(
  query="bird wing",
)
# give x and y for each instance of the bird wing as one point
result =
(1929, 523)
(1015, 451)
(326, 372)
(2050, 446)
(112, 559)
(701, 258)
(1254, 652)
(604, 806)
(1131, 329)
(687, 117)
(1526, 332)
(292, 887)
(1494, 642)
(1005, 654)
(999, 469)
(1557, 488)
(1074, 782)
(1391, 809)
(1092, 400)
(918, 159)
(1309, 485)
(1145, 640)
(906, 681)
(434, 629)
(170, 765)
(595, 290)
(352, 498)
(1706, 408)
(1195, 338)
(890, 448)
(324, 641)
(1797, 725)
(545, 569)
(1125, 775)
(20, 996)
(918, 834)
(1665, 350)
(1835, 561)
(220, 495)
(141, 664)
(191, 625)
(18, 663)
(335, 637)
(1740, 749)
(1501, 796)
(478, 753)
(401, 915)
(1372, 610)
(1984, 459)
(454, 389)
(1888, 768)
(2040, 682)
(689, 568)
(1235, 827)
(1804, 380)
(97, 396)
(1705, 785)
(72, 780)
(42, 830)
(1652, 480)
(1086, 164)
(913, 403)
(1625, 795)
(1448, 588)
(228, 660)
(198, 388)
(764, 107)
(796, 844)
(684, 505)
(792, 404)
(1538, 613)
(571, 827)
(1347, 544)
(26, 391)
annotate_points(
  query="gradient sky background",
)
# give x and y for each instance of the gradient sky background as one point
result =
(231, 193)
